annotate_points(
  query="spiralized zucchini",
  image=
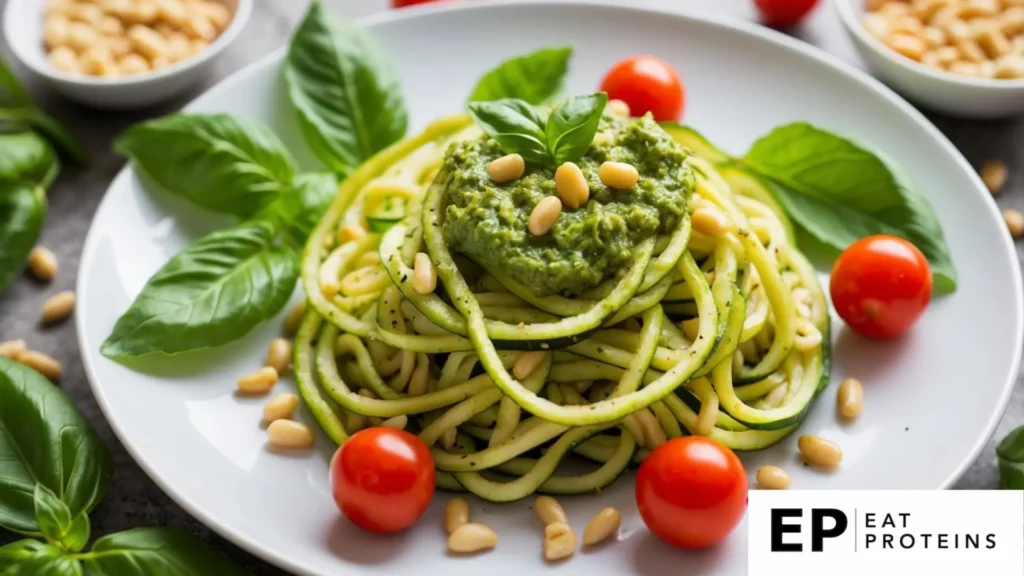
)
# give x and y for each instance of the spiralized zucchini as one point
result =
(723, 336)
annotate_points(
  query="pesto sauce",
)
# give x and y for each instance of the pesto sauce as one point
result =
(487, 221)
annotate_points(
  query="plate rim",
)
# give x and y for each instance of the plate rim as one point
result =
(704, 17)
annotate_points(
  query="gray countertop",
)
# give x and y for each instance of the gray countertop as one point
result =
(134, 500)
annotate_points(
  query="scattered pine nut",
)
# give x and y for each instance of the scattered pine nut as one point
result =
(1014, 222)
(617, 107)
(709, 221)
(289, 434)
(527, 363)
(424, 275)
(258, 382)
(559, 541)
(280, 407)
(279, 355)
(45, 365)
(398, 422)
(819, 452)
(507, 168)
(58, 307)
(773, 478)
(43, 263)
(294, 318)
(470, 538)
(602, 526)
(850, 398)
(12, 349)
(994, 174)
(456, 514)
(549, 510)
(543, 216)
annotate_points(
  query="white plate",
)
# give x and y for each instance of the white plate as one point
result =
(932, 398)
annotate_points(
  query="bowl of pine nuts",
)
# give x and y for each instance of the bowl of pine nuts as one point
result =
(121, 54)
(960, 57)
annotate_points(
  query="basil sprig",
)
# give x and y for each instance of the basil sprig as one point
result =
(534, 78)
(562, 136)
(53, 470)
(1010, 452)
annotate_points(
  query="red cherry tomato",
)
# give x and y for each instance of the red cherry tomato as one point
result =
(880, 285)
(383, 479)
(691, 492)
(404, 3)
(784, 13)
(647, 84)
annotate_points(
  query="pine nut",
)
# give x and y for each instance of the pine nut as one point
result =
(398, 422)
(279, 355)
(120, 47)
(1010, 66)
(64, 59)
(527, 363)
(907, 44)
(925, 9)
(618, 175)
(12, 349)
(258, 382)
(979, 8)
(971, 52)
(602, 526)
(470, 538)
(773, 478)
(1011, 21)
(544, 215)
(571, 185)
(559, 541)
(964, 68)
(994, 43)
(808, 337)
(907, 24)
(199, 26)
(172, 11)
(874, 5)
(935, 37)
(1014, 222)
(709, 221)
(81, 36)
(289, 434)
(348, 233)
(877, 25)
(218, 14)
(895, 8)
(132, 64)
(707, 417)
(994, 174)
(617, 107)
(549, 510)
(147, 42)
(55, 30)
(946, 54)
(819, 452)
(45, 365)
(280, 407)
(456, 514)
(507, 168)
(58, 307)
(850, 398)
(294, 318)
(424, 276)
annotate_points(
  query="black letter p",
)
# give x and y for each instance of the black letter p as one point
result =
(818, 531)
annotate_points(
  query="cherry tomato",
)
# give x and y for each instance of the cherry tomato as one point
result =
(382, 479)
(880, 285)
(784, 13)
(404, 3)
(647, 84)
(691, 492)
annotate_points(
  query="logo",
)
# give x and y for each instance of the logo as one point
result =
(801, 533)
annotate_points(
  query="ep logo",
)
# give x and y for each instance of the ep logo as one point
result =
(821, 523)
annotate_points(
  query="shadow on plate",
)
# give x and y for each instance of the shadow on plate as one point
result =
(652, 557)
(353, 544)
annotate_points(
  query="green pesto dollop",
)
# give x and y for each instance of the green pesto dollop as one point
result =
(487, 221)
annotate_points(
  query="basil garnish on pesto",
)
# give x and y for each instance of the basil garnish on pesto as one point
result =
(487, 221)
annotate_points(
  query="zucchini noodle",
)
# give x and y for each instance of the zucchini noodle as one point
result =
(723, 336)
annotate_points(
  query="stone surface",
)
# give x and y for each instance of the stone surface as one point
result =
(134, 500)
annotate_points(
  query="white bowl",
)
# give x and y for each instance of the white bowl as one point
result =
(23, 29)
(935, 89)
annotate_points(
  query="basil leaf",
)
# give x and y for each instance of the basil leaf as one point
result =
(52, 130)
(46, 565)
(44, 440)
(534, 78)
(22, 210)
(572, 126)
(155, 552)
(517, 126)
(344, 90)
(1010, 452)
(221, 162)
(213, 292)
(298, 211)
(837, 191)
(12, 93)
(27, 158)
(21, 551)
(55, 521)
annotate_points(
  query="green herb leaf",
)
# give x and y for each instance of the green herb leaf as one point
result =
(27, 158)
(22, 210)
(155, 552)
(55, 521)
(344, 90)
(16, 553)
(16, 107)
(298, 211)
(213, 292)
(516, 125)
(46, 563)
(221, 162)
(837, 192)
(12, 93)
(44, 440)
(534, 78)
(1010, 452)
(572, 126)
